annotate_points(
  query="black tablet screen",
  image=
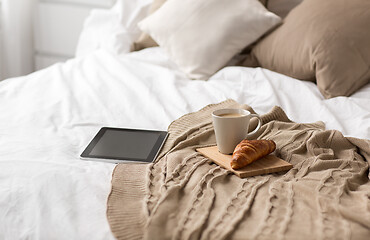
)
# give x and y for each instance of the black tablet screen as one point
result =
(125, 144)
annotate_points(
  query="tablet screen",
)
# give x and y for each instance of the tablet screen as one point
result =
(125, 145)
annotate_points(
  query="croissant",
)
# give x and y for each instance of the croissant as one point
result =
(248, 151)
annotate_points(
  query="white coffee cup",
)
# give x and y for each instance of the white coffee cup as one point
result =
(231, 127)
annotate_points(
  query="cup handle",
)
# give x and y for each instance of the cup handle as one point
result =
(258, 125)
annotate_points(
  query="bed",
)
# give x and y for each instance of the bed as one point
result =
(48, 117)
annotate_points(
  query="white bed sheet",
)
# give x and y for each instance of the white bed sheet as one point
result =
(47, 118)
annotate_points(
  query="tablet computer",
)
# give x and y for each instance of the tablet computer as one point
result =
(118, 145)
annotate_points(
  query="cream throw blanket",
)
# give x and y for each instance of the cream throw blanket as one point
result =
(184, 196)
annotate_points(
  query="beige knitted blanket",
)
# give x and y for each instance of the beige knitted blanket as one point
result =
(326, 195)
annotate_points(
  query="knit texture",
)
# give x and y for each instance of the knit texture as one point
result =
(183, 195)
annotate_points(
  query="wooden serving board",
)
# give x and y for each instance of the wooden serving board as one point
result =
(265, 165)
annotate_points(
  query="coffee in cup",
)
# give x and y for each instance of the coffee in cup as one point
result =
(231, 115)
(231, 127)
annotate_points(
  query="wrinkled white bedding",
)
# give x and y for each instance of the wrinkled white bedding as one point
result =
(47, 119)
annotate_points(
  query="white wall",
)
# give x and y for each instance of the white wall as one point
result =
(1, 47)
(57, 28)
(38, 33)
(17, 41)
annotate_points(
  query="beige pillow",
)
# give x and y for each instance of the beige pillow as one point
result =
(202, 36)
(146, 41)
(282, 7)
(324, 40)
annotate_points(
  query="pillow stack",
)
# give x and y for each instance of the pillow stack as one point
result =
(326, 42)
(202, 36)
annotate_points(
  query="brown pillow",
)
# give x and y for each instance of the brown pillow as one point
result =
(282, 7)
(324, 40)
(145, 40)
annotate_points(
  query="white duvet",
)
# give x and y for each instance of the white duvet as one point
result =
(47, 119)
